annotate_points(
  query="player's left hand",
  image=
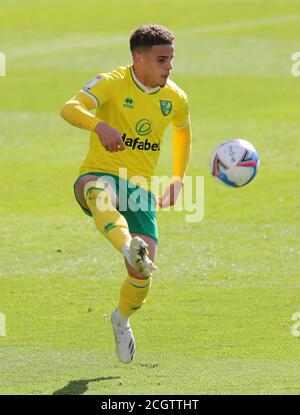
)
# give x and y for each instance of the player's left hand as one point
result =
(170, 195)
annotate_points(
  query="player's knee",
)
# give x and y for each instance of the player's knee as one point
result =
(100, 195)
(92, 189)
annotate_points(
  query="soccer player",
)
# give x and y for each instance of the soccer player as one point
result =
(134, 104)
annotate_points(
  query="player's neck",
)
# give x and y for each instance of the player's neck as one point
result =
(140, 77)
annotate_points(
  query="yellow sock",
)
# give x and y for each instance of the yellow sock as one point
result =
(107, 218)
(133, 294)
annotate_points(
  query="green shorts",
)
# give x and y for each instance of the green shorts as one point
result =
(137, 205)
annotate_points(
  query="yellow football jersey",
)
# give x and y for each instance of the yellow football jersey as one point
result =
(139, 114)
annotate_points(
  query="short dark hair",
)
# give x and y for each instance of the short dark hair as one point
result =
(150, 35)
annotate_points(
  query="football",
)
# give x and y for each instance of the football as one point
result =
(234, 162)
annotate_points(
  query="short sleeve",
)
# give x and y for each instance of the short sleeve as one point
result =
(99, 89)
(181, 115)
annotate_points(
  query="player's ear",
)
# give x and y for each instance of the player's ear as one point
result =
(137, 56)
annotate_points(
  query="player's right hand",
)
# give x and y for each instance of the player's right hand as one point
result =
(110, 138)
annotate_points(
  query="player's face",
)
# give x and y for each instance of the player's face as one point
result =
(157, 64)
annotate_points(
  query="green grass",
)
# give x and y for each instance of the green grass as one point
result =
(218, 318)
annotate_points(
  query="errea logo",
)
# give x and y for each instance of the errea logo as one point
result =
(128, 102)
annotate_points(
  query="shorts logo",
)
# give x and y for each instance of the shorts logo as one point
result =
(143, 127)
(166, 107)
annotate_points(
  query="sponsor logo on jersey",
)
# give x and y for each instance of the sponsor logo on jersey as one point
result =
(137, 143)
(128, 102)
(166, 107)
(143, 127)
(92, 83)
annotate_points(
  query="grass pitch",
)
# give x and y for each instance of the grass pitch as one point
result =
(218, 318)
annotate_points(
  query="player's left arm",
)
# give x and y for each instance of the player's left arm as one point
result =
(182, 138)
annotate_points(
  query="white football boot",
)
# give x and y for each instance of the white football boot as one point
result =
(139, 257)
(125, 345)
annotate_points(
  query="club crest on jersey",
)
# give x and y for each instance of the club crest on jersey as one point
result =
(166, 107)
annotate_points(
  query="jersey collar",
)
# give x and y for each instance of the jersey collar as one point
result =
(140, 85)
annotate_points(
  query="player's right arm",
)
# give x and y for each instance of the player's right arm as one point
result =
(77, 112)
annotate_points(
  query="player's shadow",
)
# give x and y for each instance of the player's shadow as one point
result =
(78, 387)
